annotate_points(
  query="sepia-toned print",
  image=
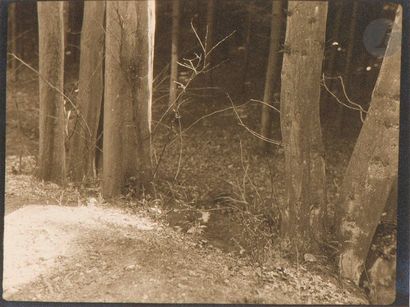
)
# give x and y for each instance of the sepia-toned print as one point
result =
(202, 151)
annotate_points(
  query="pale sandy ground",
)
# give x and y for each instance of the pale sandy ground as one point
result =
(36, 236)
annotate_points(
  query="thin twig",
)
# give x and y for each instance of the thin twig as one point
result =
(54, 88)
(355, 106)
(253, 132)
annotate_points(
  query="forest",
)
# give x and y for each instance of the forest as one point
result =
(202, 151)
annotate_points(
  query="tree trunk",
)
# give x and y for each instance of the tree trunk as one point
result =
(51, 65)
(373, 166)
(246, 53)
(348, 66)
(210, 23)
(128, 94)
(12, 40)
(173, 88)
(84, 137)
(302, 215)
(272, 79)
(66, 14)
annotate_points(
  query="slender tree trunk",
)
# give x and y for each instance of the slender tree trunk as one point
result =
(84, 137)
(348, 65)
(12, 40)
(302, 215)
(272, 79)
(66, 14)
(51, 65)
(209, 43)
(128, 94)
(372, 167)
(246, 45)
(173, 88)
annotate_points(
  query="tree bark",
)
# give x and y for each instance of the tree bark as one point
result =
(272, 79)
(51, 160)
(66, 14)
(302, 215)
(173, 88)
(128, 94)
(84, 137)
(373, 166)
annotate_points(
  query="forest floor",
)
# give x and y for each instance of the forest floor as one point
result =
(207, 231)
(58, 249)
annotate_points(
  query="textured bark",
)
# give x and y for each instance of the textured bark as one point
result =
(173, 89)
(84, 137)
(303, 213)
(372, 168)
(66, 14)
(382, 281)
(128, 94)
(51, 160)
(273, 71)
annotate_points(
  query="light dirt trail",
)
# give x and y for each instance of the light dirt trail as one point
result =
(101, 254)
(57, 253)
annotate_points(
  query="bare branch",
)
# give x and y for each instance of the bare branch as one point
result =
(197, 37)
(220, 42)
(266, 104)
(54, 88)
(355, 106)
(253, 132)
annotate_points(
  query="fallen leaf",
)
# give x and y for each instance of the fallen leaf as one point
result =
(205, 216)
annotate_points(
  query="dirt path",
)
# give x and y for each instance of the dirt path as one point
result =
(55, 253)
(95, 254)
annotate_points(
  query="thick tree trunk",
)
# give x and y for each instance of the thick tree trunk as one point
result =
(12, 23)
(173, 88)
(373, 166)
(272, 79)
(302, 215)
(51, 162)
(348, 66)
(128, 94)
(84, 137)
